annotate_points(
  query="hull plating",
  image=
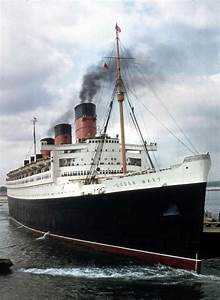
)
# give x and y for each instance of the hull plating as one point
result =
(165, 220)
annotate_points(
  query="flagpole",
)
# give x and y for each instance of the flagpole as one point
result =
(34, 120)
(120, 98)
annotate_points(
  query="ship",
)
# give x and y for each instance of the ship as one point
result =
(105, 194)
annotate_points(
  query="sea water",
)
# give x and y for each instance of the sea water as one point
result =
(46, 269)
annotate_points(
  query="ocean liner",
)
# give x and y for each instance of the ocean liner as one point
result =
(103, 193)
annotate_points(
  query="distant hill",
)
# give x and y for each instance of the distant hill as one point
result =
(3, 190)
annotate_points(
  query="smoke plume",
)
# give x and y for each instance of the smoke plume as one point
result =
(96, 75)
(137, 73)
(66, 117)
(93, 79)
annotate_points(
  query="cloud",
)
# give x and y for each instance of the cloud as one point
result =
(30, 76)
(195, 13)
(49, 45)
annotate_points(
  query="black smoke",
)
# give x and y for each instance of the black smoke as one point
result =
(66, 117)
(136, 72)
(93, 80)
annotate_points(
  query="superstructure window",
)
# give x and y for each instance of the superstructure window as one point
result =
(134, 161)
(66, 162)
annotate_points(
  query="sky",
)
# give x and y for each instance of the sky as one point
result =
(48, 46)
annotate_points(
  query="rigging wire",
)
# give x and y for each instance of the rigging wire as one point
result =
(195, 151)
(178, 139)
(110, 110)
(139, 70)
(143, 141)
(102, 66)
(132, 114)
(98, 153)
(134, 119)
(108, 82)
(29, 151)
(126, 74)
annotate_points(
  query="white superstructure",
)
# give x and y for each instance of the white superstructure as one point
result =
(70, 169)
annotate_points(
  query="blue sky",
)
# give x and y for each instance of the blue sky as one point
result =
(47, 47)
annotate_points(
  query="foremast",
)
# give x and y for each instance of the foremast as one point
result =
(120, 98)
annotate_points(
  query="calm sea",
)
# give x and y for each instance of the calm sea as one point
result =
(51, 270)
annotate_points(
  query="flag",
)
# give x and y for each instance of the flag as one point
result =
(118, 29)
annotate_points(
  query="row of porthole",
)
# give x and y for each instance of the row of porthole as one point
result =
(72, 161)
(126, 183)
(106, 150)
(30, 174)
(102, 141)
(52, 194)
(32, 179)
(25, 176)
(81, 173)
(101, 163)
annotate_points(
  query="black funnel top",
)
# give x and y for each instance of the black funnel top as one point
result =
(85, 109)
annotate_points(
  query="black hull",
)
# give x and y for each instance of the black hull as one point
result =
(165, 220)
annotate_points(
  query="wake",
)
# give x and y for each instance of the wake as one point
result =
(163, 274)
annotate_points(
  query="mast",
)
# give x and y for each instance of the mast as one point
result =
(34, 120)
(120, 98)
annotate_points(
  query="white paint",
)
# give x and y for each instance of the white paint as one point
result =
(52, 184)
